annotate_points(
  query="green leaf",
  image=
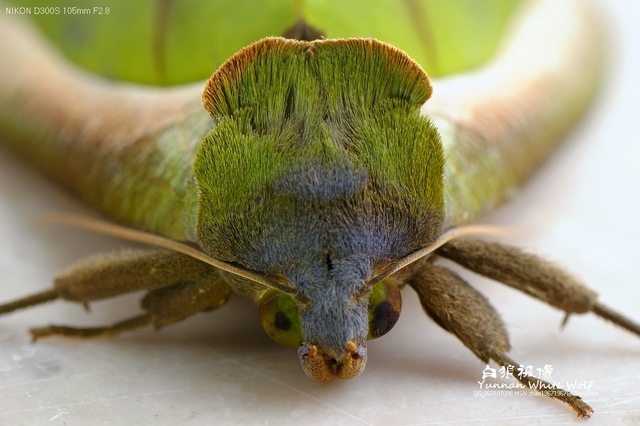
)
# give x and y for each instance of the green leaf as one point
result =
(167, 42)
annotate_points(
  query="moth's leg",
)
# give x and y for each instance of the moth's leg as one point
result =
(460, 309)
(86, 332)
(173, 304)
(112, 274)
(104, 276)
(533, 276)
(163, 306)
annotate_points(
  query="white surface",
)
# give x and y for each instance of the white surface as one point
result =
(220, 368)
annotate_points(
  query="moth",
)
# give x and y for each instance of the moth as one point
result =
(318, 180)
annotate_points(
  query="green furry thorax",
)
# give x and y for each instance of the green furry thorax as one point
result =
(329, 131)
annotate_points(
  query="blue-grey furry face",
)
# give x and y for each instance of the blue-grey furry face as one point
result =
(325, 227)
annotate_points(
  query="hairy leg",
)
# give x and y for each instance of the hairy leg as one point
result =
(531, 275)
(178, 286)
(463, 311)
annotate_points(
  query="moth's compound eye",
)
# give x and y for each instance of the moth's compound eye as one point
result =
(385, 304)
(280, 319)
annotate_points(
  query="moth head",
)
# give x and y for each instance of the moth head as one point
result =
(326, 351)
(319, 169)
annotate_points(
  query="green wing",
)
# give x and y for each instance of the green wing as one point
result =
(172, 42)
(498, 124)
